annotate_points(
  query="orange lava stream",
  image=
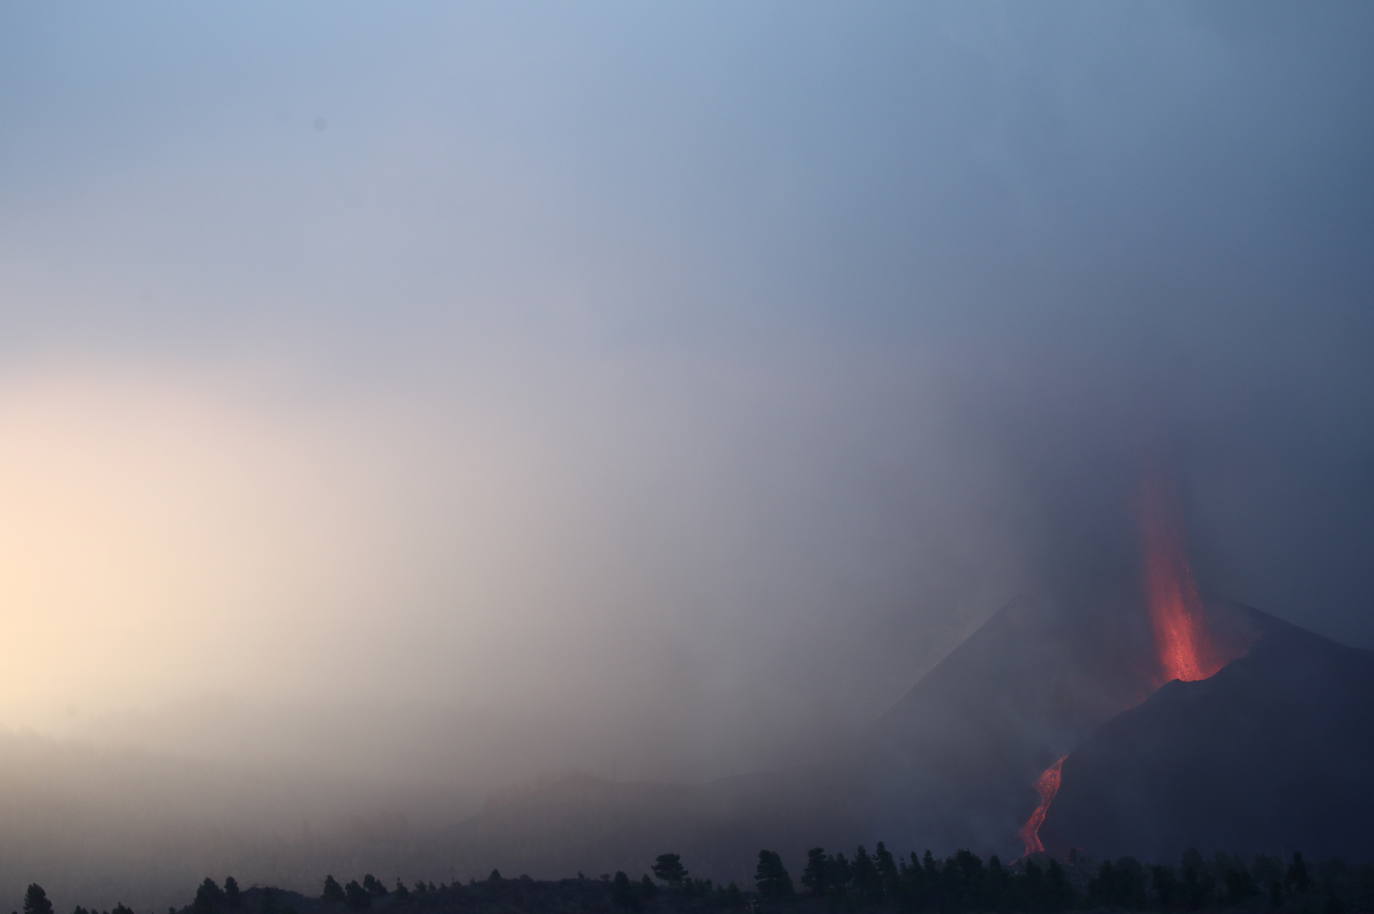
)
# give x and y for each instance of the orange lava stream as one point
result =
(1047, 785)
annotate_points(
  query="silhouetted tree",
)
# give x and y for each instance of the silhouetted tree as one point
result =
(962, 882)
(841, 874)
(668, 868)
(995, 895)
(866, 876)
(232, 896)
(356, 895)
(770, 876)
(1196, 883)
(697, 888)
(332, 890)
(931, 874)
(1099, 886)
(1240, 885)
(209, 896)
(813, 877)
(886, 866)
(1032, 888)
(913, 884)
(494, 876)
(36, 900)
(1164, 884)
(1297, 878)
(401, 893)
(373, 886)
(623, 893)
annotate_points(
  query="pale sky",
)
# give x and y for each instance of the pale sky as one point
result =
(567, 363)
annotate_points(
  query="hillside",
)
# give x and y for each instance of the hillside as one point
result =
(1273, 753)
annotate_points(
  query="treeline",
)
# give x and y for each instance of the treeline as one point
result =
(881, 881)
(964, 883)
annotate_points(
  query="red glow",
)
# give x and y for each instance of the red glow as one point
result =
(1187, 647)
(1184, 643)
(1047, 785)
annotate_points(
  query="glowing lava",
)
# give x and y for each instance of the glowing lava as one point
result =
(1047, 785)
(1185, 646)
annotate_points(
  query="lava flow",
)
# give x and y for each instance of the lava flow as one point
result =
(1185, 646)
(1047, 785)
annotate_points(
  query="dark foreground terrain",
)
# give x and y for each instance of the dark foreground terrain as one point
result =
(864, 882)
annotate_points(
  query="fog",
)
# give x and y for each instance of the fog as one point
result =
(425, 401)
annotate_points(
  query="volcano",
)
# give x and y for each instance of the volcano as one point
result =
(968, 753)
(1126, 715)
(1272, 754)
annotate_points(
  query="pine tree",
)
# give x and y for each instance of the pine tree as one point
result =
(356, 895)
(1058, 890)
(841, 874)
(771, 878)
(814, 876)
(915, 887)
(623, 894)
(1297, 878)
(36, 900)
(208, 897)
(1164, 884)
(232, 897)
(1197, 882)
(1033, 887)
(995, 892)
(668, 868)
(332, 890)
(886, 867)
(1240, 886)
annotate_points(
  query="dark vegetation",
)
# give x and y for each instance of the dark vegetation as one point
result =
(863, 881)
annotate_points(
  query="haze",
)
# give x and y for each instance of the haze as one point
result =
(644, 389)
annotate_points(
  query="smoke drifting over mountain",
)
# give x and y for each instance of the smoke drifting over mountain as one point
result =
(644, 391)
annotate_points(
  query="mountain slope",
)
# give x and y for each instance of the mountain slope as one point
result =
(963, 749)
(1272, 754)
(952, 764)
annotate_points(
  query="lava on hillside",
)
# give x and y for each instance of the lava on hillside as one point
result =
(1187, 645)
(1047, 785)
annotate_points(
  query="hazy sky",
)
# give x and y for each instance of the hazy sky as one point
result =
(686, 373)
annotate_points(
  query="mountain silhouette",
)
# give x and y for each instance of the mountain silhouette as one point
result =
(1272, 754)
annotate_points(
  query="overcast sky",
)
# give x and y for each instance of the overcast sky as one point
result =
(710, 368)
